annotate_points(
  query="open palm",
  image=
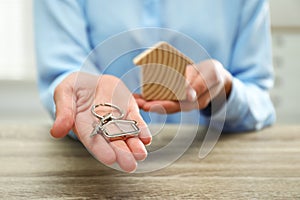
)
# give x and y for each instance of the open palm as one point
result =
(75, 96)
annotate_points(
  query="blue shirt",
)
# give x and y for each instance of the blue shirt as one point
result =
(235, 32)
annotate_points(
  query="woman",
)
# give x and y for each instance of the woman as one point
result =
(235, 34)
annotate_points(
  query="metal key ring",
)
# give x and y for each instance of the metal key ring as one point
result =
(108, 105)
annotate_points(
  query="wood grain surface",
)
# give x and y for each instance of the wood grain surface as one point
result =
(163, 72)
(262, 165)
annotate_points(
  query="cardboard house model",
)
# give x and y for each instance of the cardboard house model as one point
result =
(163, 72)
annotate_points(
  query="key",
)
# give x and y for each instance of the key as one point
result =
(114, 128)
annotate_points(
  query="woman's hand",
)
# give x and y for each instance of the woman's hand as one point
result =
(206, 81)
(75, 96)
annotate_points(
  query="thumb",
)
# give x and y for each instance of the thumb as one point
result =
(191, 94)
(65, 111)
(191, 75)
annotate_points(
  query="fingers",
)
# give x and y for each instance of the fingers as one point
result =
(191, 94)
(139, 100)
(196, 82)
(201, 80)
(162, 106)
(125, 153)
(137, 148)
(169, 107)
(128, 152)
(206, 79)
(65, 110)
(158, 106)
(100, 149)
(124, 156)
(204, 100)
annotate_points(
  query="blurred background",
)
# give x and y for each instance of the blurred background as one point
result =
(19, 97)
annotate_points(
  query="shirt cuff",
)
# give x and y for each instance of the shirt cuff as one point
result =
(235, 106)
(228, 114)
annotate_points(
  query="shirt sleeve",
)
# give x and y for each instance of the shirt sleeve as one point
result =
(62, 43)
(249, 106)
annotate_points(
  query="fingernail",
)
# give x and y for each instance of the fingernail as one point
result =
(192, 95)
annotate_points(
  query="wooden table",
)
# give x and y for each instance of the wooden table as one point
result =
(261, 165)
